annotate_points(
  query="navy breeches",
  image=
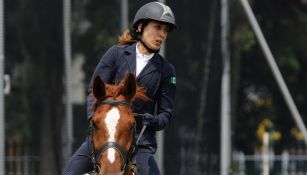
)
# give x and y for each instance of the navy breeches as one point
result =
(80, 163)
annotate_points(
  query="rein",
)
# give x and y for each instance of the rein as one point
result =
(126, 157)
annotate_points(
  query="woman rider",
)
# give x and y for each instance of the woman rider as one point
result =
(137, 53)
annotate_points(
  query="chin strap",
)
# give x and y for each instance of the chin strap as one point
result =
(138, 36)
(149, 49)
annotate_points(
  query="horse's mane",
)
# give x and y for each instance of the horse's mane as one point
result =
(116, 90)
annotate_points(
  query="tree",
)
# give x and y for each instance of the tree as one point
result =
(286, 40)
(34, 43)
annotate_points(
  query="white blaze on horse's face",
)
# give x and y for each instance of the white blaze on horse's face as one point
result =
(111, 121)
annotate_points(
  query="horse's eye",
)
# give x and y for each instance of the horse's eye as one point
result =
(132, 127)
(94, 125)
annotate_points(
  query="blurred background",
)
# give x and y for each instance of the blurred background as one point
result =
(51, 49)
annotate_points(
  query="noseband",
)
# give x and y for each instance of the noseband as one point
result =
(95, 157)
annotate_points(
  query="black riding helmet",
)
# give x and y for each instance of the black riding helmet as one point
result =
(153, 11)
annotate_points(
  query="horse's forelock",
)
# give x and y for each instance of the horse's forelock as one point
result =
(116, 90)
(111, 90)
(119, 89)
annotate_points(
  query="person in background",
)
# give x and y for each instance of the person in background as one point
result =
(137, 52)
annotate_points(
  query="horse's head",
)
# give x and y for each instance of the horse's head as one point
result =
(113, 124)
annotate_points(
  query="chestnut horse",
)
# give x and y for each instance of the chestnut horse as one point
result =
(112, 126)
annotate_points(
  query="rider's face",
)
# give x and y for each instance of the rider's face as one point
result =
(155, 34)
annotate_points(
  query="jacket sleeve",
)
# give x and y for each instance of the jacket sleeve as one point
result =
(166, 98)
(105, 70)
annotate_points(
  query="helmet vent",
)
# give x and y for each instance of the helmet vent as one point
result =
(166, 10)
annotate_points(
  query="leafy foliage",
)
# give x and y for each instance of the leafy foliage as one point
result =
(283, 24)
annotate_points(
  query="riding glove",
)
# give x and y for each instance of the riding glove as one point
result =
(149, 119)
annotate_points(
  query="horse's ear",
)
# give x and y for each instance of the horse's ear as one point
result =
(99, 88)
(130, 87)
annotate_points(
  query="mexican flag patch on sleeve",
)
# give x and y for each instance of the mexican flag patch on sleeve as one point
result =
(172, 80)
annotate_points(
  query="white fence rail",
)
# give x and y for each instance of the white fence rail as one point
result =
(284, 164)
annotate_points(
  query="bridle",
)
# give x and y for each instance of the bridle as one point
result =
(95, 157)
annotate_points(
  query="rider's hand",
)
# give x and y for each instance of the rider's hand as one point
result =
(149, 119)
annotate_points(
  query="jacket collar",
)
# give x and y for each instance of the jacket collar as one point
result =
(153, 64)
(130, 56)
